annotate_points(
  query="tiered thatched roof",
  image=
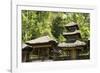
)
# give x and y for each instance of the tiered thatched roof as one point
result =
(71, 33)
(26, 47)
(71, 24)
(68, 45)
(40, 40)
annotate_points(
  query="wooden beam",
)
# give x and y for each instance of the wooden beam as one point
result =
(41, 46)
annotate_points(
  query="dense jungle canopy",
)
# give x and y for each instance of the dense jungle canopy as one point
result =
(40, 23)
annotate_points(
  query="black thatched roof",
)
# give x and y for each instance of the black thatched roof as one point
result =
(71, 33)
(68, 45)
(41, 40)
(71, 24)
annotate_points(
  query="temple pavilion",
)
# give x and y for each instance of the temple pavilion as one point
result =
(43, 48)
(73, 43)
(47, 48)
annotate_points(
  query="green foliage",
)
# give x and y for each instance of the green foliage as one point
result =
(40, 23)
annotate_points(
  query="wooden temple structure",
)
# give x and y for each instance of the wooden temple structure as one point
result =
(43, 48)
(47, 48)
(73, 45)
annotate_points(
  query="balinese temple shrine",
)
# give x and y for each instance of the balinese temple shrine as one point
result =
(47, 48)
(73, 44)
(43, 48)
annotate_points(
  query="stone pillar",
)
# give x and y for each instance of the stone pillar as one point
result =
(54, 54)
(38, 53)
(73, 54)
(47, 53)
